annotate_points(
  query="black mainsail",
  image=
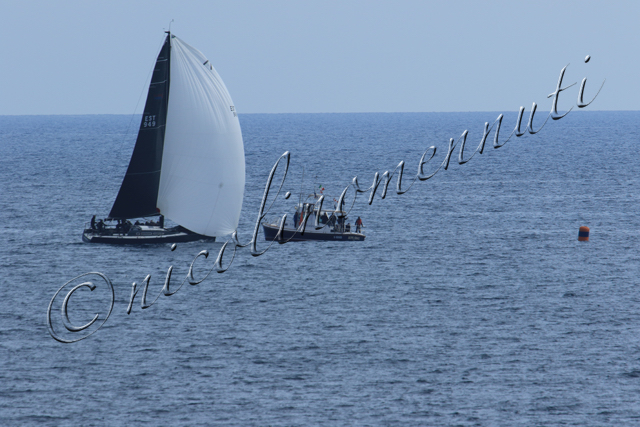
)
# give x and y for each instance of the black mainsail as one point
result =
(139, 191)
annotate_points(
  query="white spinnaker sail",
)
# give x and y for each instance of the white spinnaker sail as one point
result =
(203, 171)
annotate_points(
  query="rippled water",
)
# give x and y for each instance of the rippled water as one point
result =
(471, 302)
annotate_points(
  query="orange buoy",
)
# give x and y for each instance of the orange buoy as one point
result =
(583, 234)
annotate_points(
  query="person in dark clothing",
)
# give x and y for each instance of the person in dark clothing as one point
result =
(93, 222)
(161, 221)
(296, 217)
(358, 225)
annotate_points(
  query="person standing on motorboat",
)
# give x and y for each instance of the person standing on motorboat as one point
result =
(358, 225)
(332, 220)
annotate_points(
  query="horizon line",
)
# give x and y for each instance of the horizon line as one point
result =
(325, 112)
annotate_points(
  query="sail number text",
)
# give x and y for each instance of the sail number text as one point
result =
(149, 121)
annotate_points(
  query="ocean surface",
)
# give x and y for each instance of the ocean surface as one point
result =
(470, 303)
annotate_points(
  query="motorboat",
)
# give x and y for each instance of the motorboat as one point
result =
(332, 224)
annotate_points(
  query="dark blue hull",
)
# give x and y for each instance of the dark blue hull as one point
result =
(171, 235)
(270, 233)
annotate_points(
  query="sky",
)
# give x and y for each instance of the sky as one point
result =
(90, 57)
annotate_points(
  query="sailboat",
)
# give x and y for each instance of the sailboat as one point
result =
(188, 161)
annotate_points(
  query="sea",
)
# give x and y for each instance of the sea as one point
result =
(471, 301)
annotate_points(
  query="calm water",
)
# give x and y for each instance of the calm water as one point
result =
(471, 302)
